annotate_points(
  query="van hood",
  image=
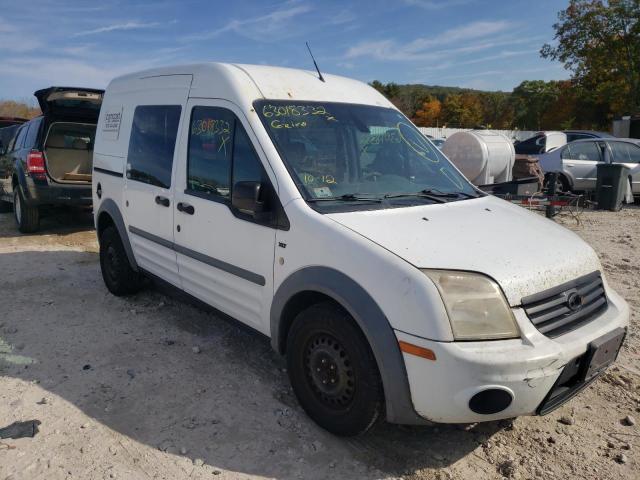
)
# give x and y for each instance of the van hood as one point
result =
(70, 102)
(523, 251)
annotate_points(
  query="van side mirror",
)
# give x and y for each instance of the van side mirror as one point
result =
(247, 198)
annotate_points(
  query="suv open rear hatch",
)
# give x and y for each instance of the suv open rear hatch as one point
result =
(70, 102)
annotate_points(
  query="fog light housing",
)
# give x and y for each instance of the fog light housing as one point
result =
(490, 401)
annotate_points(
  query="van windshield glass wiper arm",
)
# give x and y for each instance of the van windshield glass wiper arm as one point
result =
(347, 197)
(421, 194)
(435, 195)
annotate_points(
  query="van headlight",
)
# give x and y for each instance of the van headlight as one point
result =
(475, 304)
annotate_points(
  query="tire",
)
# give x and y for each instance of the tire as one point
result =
(117, 273)
(562, 186)
(27, 216)
(333, 371)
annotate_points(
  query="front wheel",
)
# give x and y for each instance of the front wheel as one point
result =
(333, 371)
(117, 273)
(27, 216)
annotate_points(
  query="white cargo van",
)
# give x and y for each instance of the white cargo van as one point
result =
(316, 213)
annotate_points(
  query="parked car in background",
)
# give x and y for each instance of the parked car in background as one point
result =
(438, 142)
(48, 162)
(6, 134)
(393, 286)
(8, 128)
(543, 142)
(577, 162)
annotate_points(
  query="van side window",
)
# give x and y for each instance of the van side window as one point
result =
(152, 143)
(210, 151)
(220, 155)
(246, 164)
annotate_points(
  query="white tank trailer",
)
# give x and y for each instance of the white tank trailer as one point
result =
(483, 156)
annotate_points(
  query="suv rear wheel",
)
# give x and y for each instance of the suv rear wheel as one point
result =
(117, 273)
(27, 216)
(332, 370)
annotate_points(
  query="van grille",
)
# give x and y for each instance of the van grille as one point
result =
(567, 306)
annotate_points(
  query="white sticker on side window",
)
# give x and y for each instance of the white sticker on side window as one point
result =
(111, 125)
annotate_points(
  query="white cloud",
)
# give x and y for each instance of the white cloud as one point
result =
(16, 40)
(473, 37)
(69, 71)
(261, 27)
(436, 4)
(118, 26)
(342, 17)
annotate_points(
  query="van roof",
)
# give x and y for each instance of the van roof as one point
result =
(250, 82)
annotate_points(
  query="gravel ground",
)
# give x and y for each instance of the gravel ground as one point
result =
(153, 387)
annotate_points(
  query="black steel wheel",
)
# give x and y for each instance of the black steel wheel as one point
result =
(117, 273)
(333, 371)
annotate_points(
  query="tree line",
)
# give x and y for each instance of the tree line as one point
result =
(598, 42)
(533, 105)
(13, 108)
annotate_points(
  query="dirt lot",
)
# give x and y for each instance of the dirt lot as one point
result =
(153, 387)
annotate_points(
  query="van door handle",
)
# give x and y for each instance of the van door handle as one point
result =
(186, 208)
(164, 201)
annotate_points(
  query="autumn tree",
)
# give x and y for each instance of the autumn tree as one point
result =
(462, 110)
(429, 114)
(599, 42)
(530, 101)
(497, 111)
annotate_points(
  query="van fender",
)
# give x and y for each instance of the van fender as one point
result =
(371, 320)
(110, 207)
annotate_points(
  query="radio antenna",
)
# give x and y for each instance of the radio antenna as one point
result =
(314, 63)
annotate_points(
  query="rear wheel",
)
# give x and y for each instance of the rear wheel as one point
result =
(333, 371)
(117, 273)
(27, 216)
(562, 186)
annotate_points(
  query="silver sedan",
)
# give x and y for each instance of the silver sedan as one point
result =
(577, 162)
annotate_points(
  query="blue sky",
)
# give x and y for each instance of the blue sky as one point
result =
(488, 45)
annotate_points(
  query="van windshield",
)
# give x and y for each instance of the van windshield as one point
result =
(355, 153)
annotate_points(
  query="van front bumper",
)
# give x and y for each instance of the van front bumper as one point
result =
(526, 376)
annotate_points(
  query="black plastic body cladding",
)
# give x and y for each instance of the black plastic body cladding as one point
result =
(374, 324)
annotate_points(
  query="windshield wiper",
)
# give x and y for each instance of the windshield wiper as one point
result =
(435, 195)
(347, 197)
(421, 194)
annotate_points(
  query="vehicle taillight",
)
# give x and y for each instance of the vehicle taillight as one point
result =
(35, 162)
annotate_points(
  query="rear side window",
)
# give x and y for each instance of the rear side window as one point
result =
(152, 143)
(32, 134)
(583, 151)
(625, 152)
(577, 136)
(20, 138)
(220, 154)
